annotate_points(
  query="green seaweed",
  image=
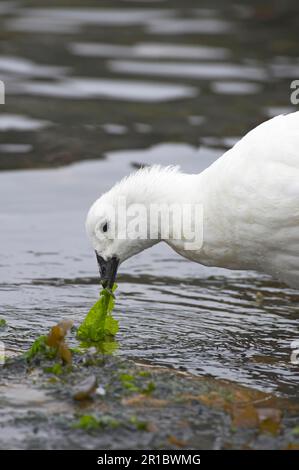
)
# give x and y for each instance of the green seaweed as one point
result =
(138, 424)
(90, 422)
(38, 347)
(99, 323)
(2, 323)
(56, 369)
(144, 373)
(129, 382)
(87, 422)
(150, 388)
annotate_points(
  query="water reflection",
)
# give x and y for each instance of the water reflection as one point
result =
(191, 26)
(150, 50)
(235, 88)
(84, 88)
(21, 123)
(65, 20)
(15, 148)
(107, 64)
(24, 67)
(197, 71)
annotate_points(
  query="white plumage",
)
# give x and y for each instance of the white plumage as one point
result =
(250, 198)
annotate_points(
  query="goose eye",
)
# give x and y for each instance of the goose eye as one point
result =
(105, 227)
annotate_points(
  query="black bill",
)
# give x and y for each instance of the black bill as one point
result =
(108, 270)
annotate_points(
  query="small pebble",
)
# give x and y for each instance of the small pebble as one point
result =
(100, 391)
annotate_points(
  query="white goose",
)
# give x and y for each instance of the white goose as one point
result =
(250, 200)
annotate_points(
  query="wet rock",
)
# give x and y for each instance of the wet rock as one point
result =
(85, 389)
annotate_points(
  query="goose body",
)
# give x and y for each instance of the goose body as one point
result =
(250, 201)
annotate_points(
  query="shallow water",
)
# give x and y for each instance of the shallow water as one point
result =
(171, 311)
(178, 83)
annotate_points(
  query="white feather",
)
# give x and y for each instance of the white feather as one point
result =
(250, 198)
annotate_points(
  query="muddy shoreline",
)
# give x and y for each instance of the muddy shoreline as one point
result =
(135, 406)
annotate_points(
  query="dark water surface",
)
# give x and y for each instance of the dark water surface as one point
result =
(179, 84)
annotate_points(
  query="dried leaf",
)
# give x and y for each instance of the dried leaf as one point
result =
(269, 420)
(58, 333)
(174, 441)
(144, 400)
(65, 353)
(244, 416)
